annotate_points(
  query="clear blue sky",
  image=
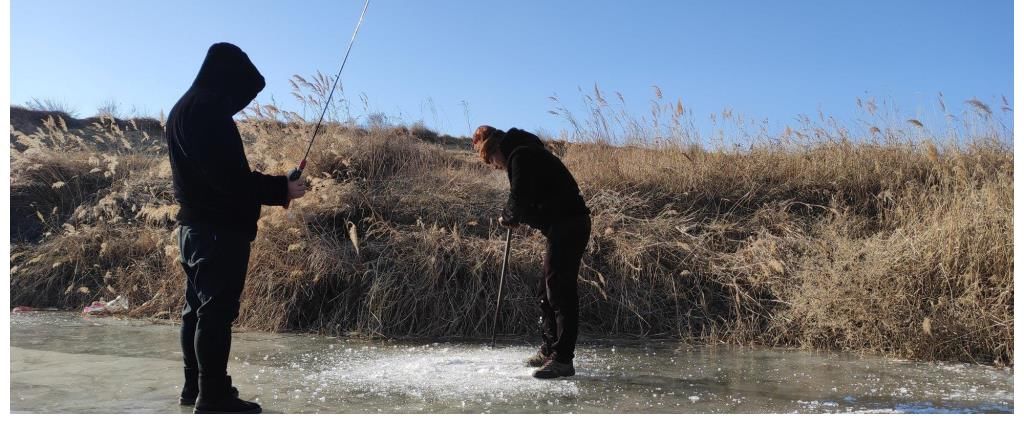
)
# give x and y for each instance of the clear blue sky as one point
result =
(765, 59)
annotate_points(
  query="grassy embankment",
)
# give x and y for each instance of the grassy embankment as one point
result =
(899, 243)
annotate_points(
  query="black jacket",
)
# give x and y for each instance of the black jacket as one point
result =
(213, 183)
(542, 189)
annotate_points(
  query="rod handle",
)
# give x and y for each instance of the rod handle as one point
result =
(294, 175)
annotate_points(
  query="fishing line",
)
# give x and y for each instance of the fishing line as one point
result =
(297, 172)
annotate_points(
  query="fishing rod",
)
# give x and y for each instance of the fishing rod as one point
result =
(501, 283)
(296, 173)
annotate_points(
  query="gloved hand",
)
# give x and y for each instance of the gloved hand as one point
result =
(501, 221)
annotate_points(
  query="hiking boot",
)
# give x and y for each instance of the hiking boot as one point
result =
(226, 405)
(190, 392)
(537, 360)
(226, 401)
(553, 369)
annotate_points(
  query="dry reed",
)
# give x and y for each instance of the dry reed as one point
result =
(814, 239)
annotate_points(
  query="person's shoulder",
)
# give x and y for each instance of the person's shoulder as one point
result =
(530, 157)
(530, 152)
(523, 137)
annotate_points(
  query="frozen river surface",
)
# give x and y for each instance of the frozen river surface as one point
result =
(64, 363)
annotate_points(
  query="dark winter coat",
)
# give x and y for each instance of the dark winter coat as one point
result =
(543, 191)
(213, 183)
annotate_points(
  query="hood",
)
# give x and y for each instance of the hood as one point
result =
(228, 71)
(516, 138)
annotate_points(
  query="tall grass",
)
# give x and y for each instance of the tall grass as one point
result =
(892, 242)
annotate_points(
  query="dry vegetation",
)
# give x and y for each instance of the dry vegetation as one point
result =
(899, 242)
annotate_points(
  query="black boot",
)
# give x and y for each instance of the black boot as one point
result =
(537, 360)
(553, 369)
(218, 396)
(190, 391)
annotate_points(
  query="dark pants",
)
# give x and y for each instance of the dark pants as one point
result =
(559, 301)
(215, 264)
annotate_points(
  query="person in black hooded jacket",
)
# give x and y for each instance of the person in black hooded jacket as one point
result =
(545, 196)
(219, 200)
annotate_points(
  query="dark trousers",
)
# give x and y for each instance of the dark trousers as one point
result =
(559, 301)
(215, 264)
